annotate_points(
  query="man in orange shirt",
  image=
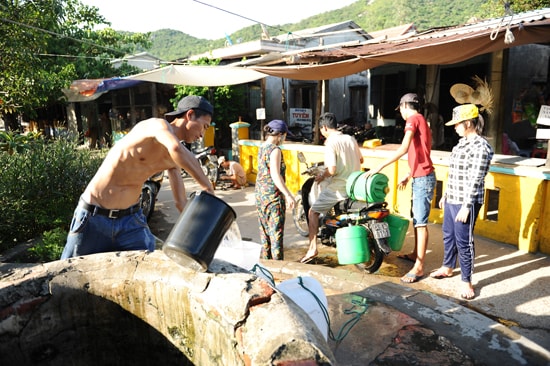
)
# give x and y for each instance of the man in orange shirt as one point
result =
(416, 144)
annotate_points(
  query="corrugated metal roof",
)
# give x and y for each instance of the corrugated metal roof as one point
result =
(434, 47)
(455, 43)
(489, 25)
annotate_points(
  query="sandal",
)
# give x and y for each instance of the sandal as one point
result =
(411, 278)
(305, 259)
(440, 274)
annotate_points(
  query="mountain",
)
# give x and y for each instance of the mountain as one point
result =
(371, 15)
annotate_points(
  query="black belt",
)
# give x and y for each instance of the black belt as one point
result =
(112, 214)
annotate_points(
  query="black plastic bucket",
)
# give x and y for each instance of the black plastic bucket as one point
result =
(199, 231)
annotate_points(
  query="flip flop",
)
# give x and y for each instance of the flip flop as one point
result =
(306, 259)
(411, 278)
(406, 257)
(439, 274)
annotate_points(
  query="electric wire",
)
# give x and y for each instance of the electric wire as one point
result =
(85, 41)
(242, 16)
(288, 33)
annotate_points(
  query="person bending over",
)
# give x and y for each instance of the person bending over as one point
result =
(108, 216)
(234, 172)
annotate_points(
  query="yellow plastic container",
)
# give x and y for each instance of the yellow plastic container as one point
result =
(209, 136)
(371, 144)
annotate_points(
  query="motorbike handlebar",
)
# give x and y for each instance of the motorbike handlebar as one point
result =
(314, 170)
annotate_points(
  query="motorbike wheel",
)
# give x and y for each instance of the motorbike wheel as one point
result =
(211, 171)
(299, 217)
(376, 258)
(147, 200)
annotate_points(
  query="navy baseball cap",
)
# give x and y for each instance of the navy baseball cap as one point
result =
(192, 102)
(279, 126)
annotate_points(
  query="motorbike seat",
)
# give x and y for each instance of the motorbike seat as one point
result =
(376, 205)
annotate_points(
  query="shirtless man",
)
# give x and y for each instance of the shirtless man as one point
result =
(108, 216)
(234, 172)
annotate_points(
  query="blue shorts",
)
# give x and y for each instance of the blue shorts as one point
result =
(91, 234)
(422, 196)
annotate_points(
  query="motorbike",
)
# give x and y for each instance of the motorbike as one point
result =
(149, 192)
(300, 133)
(209, 163)
(345, 213)
(359, 133)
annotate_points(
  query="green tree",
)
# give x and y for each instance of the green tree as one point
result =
(228, 102)
(370, 15)
(46, 44)
(498, 8)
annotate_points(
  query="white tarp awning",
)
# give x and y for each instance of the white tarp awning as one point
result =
(199, 75)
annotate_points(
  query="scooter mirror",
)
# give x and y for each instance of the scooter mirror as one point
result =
(302, 158)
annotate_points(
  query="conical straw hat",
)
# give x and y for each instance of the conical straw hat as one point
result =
(482, 95)
(461, 93)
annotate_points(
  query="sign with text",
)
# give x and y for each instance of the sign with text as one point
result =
(544, 115)
(260, 113)
(301, 117)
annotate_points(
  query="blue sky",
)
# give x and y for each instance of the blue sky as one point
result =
(203, 21)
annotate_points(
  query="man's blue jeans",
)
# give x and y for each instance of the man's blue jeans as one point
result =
(422, 196)
(91, 233)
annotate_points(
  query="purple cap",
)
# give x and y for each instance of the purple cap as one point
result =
(279, 126)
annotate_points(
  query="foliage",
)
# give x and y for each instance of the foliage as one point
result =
(172, 45)
(228, 102)
(51, 43)
(11, 141)
(496, 8)
(40, 187)
(369, 15)
(50, 247)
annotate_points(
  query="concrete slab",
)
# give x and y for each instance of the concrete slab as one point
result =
(508, 321)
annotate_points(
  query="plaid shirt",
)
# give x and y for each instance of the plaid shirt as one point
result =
(468, 166)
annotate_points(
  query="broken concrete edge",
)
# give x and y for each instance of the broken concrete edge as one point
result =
(225, 316)
(480, 337)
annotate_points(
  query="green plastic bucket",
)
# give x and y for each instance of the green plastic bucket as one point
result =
(351, 245)
(371, 189)
(398, 230)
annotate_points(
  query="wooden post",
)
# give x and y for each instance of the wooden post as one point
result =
(318, 111)
(262, 105)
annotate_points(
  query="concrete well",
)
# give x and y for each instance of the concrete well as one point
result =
(143, 308)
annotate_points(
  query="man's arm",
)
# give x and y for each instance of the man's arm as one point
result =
(402, 150)
(358, 152)
(183, 157)
(178, 188)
